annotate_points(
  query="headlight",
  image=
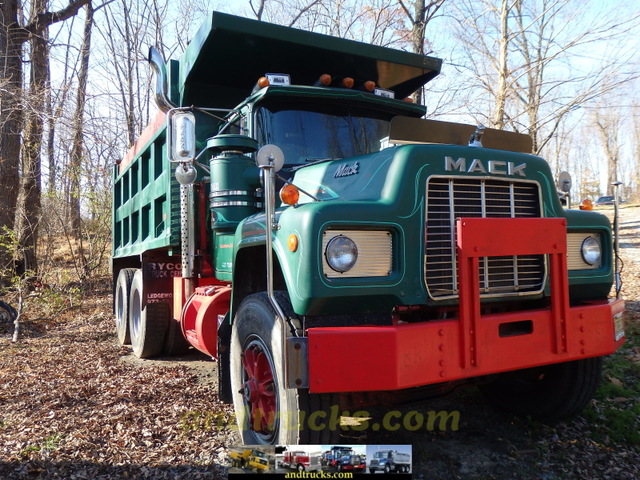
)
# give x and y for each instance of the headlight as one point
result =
(341, 253)
(590, 250)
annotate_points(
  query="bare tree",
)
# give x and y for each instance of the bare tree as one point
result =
(13, 37)
(607, 124)
(524, 56)
(77, 145)
(420, 13)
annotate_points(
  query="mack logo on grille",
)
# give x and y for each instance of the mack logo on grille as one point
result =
(493, 167)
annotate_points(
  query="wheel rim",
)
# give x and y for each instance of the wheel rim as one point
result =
(135, 314)
(120, 320)
(259, 390)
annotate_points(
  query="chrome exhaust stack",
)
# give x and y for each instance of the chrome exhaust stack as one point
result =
(160, 69)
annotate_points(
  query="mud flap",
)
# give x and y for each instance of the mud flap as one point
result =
(224, 373)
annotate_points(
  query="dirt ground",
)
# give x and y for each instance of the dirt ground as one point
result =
(74, 405)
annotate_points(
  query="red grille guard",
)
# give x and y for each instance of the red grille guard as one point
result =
(415, 354)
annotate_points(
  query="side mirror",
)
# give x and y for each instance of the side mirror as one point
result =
(182, 137)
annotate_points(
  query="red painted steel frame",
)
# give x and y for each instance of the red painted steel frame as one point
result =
(415, 354)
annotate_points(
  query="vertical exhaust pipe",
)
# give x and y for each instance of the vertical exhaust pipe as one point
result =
(160, 69)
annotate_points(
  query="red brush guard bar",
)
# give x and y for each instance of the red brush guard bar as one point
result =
(415, 354)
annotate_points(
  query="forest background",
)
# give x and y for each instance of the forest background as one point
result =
(75, 93)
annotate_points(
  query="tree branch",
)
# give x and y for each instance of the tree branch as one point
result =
(45, 19)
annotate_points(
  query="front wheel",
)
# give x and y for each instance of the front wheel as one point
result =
(548, 393)
(266, 410)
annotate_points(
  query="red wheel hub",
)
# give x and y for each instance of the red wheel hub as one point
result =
(258, 389)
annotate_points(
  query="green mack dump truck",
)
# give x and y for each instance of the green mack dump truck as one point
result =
(401, 257)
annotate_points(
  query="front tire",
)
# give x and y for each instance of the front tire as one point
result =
(267, 412)
(148, 324)
(550, 393)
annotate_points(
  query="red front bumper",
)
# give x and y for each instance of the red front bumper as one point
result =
(371, 358)
(354, 359)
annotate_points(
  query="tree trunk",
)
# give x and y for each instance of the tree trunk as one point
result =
(423, 12)
(28, 206)
(10, 117)
(77, 149)
(503, 71)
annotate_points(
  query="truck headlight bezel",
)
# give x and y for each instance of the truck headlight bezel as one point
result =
(591, 250)
(341, 253)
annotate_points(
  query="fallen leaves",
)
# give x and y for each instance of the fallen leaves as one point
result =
(70, 407)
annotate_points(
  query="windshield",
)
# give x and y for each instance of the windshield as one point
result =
(382, 454)
(313, 132)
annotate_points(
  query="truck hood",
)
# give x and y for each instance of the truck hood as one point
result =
(394, 173)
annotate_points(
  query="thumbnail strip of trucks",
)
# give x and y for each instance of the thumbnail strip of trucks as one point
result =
(289, 213)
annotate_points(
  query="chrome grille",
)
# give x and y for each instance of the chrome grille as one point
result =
(451, 198)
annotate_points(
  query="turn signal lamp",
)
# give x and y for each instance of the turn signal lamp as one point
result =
(586, 204)
(292, 242)
(409, 100)
(369, 85)
(289, 194)
(347, 82)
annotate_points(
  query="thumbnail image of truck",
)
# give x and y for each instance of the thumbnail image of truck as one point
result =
(302, 461)
(290, 211)
(249, 459)
(332, 456)
(390, 461)
(351, 463)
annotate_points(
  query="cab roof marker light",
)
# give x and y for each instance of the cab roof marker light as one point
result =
(324, 80)
(348, 82)
(369, 85)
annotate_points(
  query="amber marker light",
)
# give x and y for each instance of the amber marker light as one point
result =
(586, 204)
(289, 194)
(263, 82)
(293, 242)
(325, 79)
(370, 85)
(408, 100)
(348, 82)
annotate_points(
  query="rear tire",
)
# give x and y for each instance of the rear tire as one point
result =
(267, 412)
(123, 294)
(148, 325)
(550, 393)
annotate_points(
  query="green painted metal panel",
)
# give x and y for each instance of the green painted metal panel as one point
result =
(229, 54)
(145, 204)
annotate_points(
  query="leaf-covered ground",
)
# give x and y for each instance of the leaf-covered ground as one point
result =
(71, 407)
(74, 405)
